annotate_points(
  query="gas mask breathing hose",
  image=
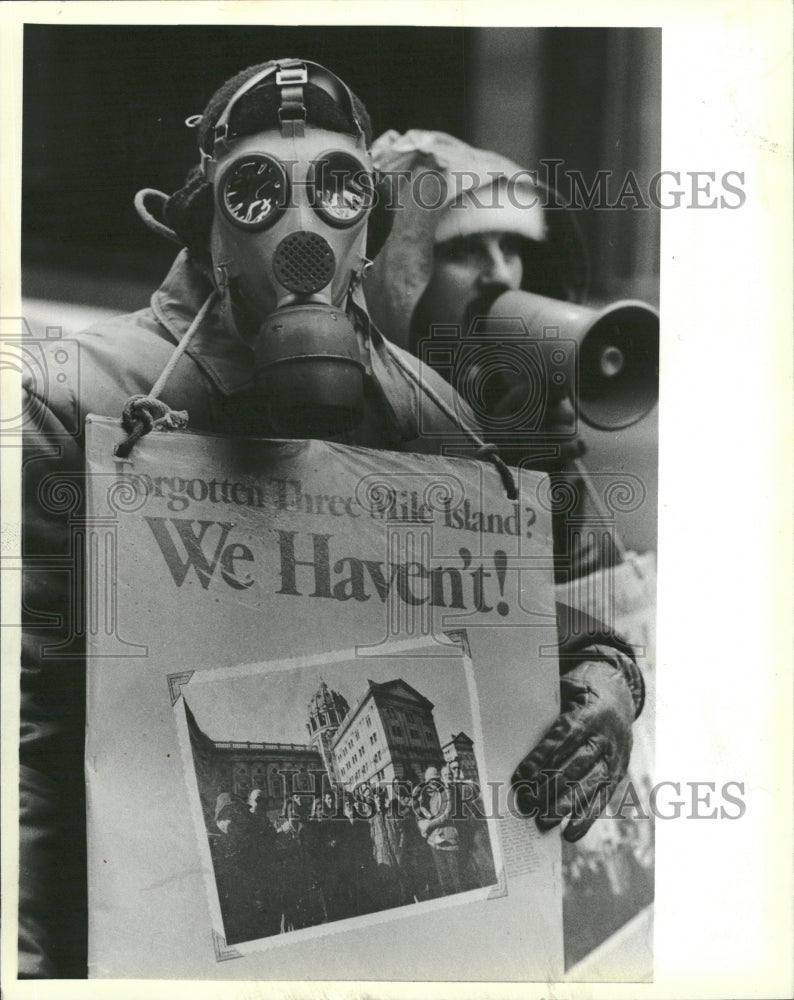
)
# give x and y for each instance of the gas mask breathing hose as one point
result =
(148, 219)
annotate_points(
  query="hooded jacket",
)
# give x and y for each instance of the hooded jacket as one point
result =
(214, 382)
(428, 172)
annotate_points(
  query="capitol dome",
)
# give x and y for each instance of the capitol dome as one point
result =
(326, 708)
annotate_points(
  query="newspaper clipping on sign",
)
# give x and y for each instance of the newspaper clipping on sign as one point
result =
(313, 670)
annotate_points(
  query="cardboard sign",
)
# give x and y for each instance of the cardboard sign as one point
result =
(312, 672)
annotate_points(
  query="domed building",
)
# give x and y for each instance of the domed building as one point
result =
(327, 711)
(389, 734)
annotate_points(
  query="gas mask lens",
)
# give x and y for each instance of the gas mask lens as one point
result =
(341, 190)
(254, 191)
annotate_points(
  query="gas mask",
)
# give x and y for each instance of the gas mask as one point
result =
(288, 245)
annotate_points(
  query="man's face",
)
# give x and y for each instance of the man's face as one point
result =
(468, 273)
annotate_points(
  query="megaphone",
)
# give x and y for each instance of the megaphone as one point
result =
(605, 360)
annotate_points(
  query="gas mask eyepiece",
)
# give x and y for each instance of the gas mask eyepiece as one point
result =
(254, 192)
(341, 191)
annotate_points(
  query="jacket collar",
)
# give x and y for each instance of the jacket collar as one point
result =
(224, 359)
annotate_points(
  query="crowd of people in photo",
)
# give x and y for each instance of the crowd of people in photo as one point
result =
(346, 853)
(607, 880)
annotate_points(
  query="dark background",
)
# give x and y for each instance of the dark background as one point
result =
(104, 110)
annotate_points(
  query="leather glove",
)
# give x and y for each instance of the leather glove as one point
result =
(577, 765)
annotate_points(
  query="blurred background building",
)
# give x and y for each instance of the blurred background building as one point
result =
(104, 110)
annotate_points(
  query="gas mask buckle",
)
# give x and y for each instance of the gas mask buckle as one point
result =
(292, 113)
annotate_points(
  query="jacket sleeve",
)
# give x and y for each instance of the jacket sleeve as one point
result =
(52, 877)
(583, 545)
(583, 639)
(119, 358)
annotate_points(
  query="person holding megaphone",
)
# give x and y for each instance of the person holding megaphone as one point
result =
(481, 281)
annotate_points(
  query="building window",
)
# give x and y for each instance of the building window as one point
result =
(414, 734)
(242, 780)
(397, 731)
(369, 721)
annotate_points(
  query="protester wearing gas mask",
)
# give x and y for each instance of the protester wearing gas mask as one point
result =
(470, 226)
(259, 329)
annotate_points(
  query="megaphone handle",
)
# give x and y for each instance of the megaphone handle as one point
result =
(582, 471)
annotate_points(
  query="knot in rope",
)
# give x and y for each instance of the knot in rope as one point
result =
(142, 414)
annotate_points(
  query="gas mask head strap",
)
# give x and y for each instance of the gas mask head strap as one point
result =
(291, 75)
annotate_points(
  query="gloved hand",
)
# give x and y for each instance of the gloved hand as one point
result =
(577, 765)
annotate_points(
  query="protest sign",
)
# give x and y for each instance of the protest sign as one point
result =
(361, 639)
